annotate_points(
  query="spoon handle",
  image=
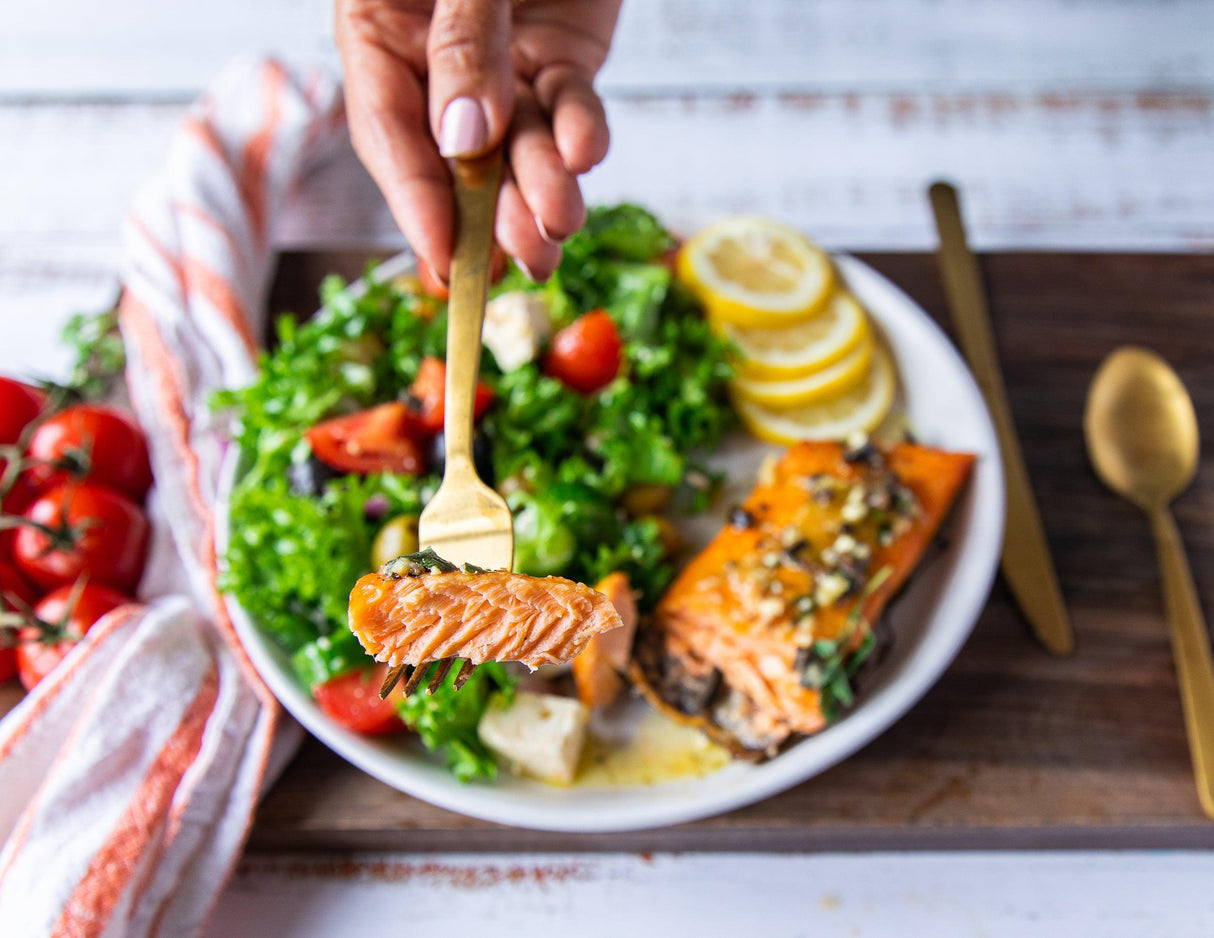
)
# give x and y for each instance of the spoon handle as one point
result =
(1191, 648)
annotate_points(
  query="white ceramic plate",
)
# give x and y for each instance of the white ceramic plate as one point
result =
(930, 621)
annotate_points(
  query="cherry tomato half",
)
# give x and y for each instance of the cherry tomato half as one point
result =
(12, 586)
(430, 391)
(434, 287)
(585, 355)
(111, 538)
(353, 701)
(386, 438)
(37, 658)
(116, 447)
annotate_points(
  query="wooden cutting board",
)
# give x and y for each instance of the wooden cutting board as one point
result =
(1012, 748)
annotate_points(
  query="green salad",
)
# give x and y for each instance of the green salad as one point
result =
(591, 474)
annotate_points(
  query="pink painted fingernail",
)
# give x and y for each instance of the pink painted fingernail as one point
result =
(463, 129)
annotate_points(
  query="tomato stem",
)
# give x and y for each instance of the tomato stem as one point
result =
(75, 462)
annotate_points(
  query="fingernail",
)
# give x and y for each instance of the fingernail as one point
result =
(435, 274)
(525, 269)
(463, 129)
(555, 242)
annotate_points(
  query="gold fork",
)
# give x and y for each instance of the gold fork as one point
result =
(466, 522)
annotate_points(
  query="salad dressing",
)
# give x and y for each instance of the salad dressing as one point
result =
(654, 749)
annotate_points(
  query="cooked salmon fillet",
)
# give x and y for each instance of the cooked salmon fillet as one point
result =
(790, 587)
(417, 617)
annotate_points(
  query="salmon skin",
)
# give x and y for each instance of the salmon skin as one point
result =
(420, 608)
(764, 629)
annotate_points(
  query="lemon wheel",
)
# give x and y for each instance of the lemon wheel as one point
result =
(756, 273)
(861, 409)
(830, 381)
(796, 351)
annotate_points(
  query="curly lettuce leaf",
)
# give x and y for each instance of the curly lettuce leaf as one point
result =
(446, 720)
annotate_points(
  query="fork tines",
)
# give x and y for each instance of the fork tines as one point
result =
(418, 673)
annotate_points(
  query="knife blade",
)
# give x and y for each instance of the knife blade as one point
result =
(1028, 568)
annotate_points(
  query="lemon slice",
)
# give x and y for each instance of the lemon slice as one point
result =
(756, 273)
(799, 350)
(834, 379)
(860, 409)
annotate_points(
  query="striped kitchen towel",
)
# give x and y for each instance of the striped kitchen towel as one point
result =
(129, 777)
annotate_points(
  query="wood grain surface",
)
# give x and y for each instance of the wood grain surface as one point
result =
(1012, 748)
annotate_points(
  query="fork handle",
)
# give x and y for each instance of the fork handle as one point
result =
(477, 182)
(1191, 649)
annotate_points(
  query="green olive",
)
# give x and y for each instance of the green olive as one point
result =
(365, 350)
(672, 540)
(645, 499)
(395, 539)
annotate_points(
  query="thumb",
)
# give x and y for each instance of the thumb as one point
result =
(470, 72)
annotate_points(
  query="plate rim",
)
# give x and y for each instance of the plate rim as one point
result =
(733, 786)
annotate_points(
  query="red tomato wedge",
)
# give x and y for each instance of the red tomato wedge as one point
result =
(585, 355)
(116, 449)
(353, 701)
(430, 391)
(37, 658)
(383, 439)
(111, 538)
(12, 587)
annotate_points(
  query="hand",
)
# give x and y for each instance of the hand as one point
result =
(452, 78)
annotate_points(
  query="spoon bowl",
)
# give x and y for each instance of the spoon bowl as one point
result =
(1141, 428)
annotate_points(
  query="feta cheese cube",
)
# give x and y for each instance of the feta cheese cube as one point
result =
(516, 327)
(540, 734)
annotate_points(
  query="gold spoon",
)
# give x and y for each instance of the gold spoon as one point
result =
(1142, 439)
(466, 522)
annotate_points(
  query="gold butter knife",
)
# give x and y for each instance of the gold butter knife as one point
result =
(1027, 566)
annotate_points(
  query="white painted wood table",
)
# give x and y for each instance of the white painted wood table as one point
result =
(1077, 124)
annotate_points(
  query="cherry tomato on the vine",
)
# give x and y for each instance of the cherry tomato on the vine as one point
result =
(12, 587)
(111, 442)
(109, 538)
(19, 405)
(74, 609)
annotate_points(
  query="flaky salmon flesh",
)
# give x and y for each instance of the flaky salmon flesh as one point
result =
(481, 616)
(807, 562)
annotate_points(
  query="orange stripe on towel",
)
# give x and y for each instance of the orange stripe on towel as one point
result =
(162, 372)
(204, 133)
(111, 623)
(199, 278)
(88, 910)
(255, 157)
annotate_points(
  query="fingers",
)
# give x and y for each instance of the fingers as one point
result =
(516, 233)
(579, 123)
(547, 187)
(386, 108)
(470, 75)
